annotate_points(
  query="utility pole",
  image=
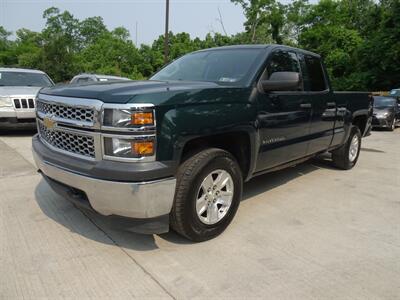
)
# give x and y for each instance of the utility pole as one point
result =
(166, 37)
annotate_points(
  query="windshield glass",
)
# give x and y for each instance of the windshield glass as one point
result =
(384, 101)
(395, 93)
(24, 79)
(223, 66)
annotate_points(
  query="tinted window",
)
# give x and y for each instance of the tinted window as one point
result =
(82, 80)
(282, 61)
(24, 79)
(223, 66)
(315, 74)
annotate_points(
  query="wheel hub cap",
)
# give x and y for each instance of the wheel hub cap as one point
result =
(214, 197)
(353, 151)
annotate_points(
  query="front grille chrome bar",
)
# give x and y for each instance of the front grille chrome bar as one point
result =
(76, 112)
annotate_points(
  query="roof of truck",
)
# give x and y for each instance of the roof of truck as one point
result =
(261, 46)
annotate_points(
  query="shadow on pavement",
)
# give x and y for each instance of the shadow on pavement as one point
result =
(96, 227)
(17, 132)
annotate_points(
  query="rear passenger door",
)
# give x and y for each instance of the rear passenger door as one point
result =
(317, 92)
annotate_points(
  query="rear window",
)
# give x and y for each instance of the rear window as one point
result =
(315, 74)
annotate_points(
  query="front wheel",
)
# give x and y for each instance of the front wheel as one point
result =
(393, 125)
(207, 196)
(347, 155)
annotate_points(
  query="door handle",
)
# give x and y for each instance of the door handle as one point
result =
(305, 105)
(331, 104)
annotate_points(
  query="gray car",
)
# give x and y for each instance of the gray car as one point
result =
(386, 113)
(91, 78)
(18, 90)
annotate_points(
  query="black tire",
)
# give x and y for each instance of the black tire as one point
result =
(183, 218)
(340, 156)
(392, 125)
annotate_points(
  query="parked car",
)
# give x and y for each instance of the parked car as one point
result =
(88, 78)
(386, 113)
(18, 89)
(175, 150)
(395, 93)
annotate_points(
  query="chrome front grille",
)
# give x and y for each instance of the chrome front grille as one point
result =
(66, 112)
(24, 103)
(74, 143)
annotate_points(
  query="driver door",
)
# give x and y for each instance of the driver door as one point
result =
(283, 117)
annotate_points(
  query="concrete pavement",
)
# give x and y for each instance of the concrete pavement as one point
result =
(308, 232)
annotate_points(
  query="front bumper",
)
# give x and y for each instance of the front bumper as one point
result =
(10, 118)
(139, 200)
(381, 122)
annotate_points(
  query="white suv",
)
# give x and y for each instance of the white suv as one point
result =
(18, 90)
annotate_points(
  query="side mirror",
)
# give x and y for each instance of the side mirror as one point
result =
(282, 81)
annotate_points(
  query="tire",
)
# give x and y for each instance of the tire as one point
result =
(341, 157)
(191, 179)
(393, 125)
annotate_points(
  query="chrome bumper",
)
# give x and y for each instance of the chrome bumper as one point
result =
(128, 199)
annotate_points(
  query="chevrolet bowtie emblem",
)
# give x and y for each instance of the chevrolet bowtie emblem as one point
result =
(49, 123)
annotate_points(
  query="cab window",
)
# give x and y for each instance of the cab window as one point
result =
(314, 78)
(283, 61)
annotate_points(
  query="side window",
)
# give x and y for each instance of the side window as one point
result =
(315, 74)
(283, 61)
(82, 80)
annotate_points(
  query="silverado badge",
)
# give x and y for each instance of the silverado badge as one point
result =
(49, 123)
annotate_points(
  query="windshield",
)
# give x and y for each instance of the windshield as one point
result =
(384, 102)
(223, 66)
(395, 93)
(24, 79)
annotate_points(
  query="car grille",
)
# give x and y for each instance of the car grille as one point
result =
(72, 113)
(24, 103)
(71, 142)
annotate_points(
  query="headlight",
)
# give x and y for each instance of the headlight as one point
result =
(128, 118)
(138, 147)
(383, 115)
(5, 101)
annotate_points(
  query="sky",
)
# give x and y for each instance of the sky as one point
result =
(197, 17)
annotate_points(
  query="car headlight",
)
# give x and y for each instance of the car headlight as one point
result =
(128, 147)
(5, 101)
(128, 118)
(134, 126)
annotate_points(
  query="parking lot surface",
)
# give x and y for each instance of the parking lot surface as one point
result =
(308, 232)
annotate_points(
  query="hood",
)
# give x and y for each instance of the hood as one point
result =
(124, 91)
(19, 90)
(381, 109)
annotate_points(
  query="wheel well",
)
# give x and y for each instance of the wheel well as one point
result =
(361, 123)
(236, 143)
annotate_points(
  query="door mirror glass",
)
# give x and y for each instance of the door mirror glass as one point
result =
(282, 81)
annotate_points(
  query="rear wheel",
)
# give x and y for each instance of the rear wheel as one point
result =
(347, 155)
(208, 193)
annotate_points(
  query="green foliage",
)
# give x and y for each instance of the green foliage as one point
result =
(359, 41)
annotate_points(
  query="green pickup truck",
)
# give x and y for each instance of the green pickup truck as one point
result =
(175, 150)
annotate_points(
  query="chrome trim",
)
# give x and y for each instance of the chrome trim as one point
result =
(129, 199)
(94, 104)
(129, 137)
